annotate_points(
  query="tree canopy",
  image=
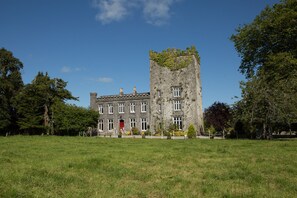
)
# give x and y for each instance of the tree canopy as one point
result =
(218, 115)
(70, 119)
(268, 48)
(273, 32)
(10, 83)
(40, 95)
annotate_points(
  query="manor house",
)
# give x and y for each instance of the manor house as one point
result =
(174, 98)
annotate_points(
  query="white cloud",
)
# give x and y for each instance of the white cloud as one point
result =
(77, 69)
(66, 69)
(155, 12)
(110, 10)
(104, 80)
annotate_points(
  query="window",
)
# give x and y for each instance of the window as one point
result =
(143, 124)
(176, 91)
(143, 107)
(132, 123)
(110, 124)
(178, 122)
(159, 107)
(158, 93)
(100, 125)
(177, 105)
(110, 108)
(121, 107)
(132, 107)
(100, 108)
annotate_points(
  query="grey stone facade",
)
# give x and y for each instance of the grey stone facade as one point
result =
(129, 108)
(174, 98)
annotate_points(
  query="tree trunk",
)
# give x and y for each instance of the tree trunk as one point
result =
(46, 119)
(264, 130)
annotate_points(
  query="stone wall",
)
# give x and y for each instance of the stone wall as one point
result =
(162, 82)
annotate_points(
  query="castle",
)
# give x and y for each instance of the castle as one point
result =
(174, 98)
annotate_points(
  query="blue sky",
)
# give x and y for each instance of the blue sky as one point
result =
(103, 45)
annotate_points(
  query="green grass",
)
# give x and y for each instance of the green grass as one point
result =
(32, 166)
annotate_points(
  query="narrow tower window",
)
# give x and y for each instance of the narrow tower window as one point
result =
(176, 91)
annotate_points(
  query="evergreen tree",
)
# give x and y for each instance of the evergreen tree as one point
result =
(36, 100)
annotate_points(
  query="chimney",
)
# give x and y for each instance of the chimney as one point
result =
(134, 90)
(121, 92)
(93, 98)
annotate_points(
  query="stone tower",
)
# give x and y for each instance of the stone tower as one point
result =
(175, 89)
(93, 101)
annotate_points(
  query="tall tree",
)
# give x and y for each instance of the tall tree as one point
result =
(10, 83)
(268, 48)
(36, 100)
(273, 31)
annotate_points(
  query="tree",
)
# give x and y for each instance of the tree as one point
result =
(272, 32)
(10, 83)
(35, 102)
(70, 119)
(268, 48)
(218, 115)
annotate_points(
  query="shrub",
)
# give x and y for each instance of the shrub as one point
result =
(179, 133)
(168, 135)
(143, 135)
(147, 133)
(191, 132)
(135, 131)
(211, 131)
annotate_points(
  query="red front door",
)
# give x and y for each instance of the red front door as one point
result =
(122, 124)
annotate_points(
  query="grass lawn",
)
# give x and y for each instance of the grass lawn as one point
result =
(35, 166)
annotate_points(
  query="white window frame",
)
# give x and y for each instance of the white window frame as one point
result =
(132, 107)
(121, 107)
(110, 108)
(143, 107)
(143, 124)
(176, 91)
(100, 108)
(100, 125)
(110, 124)
(178, 122)
(132, 123)
(176, 105)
